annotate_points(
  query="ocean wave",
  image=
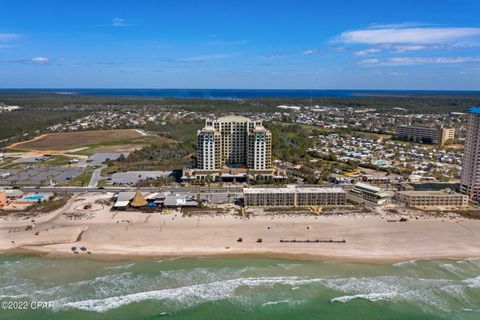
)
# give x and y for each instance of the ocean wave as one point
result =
(169, 259)
(373, 297)
(249, 287)
(473, 282)
(122, 267)
(187, 295)
(273, 303)
(427, 292)
(403, 263)
(454, 269)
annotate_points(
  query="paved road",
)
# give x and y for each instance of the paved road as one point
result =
(95, 177)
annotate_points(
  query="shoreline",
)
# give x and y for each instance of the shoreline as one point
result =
(130, 235)
(125, 257)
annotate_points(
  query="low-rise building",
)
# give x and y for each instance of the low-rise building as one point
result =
(293, 196)
(13, 194)
(178, 201)
(127, 199)
(443, 198)
(363, 192)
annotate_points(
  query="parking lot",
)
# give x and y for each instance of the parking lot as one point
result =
(132, 177)
(99, 158)
(39, 175)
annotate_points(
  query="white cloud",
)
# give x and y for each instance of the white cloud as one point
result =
(119, 22)
(4, 37)
(398, 25)
(310, 51)
(417, 35)
(405, 48)
(366, 52)
(369, 61)
(40, 60)
(416, 61)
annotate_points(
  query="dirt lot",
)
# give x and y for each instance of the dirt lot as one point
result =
(86, 140)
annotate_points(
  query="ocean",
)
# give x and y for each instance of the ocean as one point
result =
(239, 289)
(237, 93)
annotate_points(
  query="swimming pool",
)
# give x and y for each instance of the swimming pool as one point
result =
(34, 198)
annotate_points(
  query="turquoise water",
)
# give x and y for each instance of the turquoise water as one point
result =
(33, 197)
(240, 289)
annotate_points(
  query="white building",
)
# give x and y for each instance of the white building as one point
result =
(234, 141)
(362, 192)
(443, 198)
(470, 176)
(232, 147)
(208, 153)
(293, 196)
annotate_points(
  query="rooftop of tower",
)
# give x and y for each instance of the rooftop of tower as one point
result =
(233, 119)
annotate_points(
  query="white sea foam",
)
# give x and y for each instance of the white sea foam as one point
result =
(188, 287)
(270, 303)
(373, 297)
(425, 291)
(169, 259)
(403, 263)
(456, 270)
(122, 267)
(473, 282)
(187, 295)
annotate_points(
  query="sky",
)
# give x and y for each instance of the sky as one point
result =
(376, 44)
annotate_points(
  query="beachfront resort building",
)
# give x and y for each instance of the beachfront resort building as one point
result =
(232, 148)
(293, 196)
(443, 198)
(425, 134)
(470, 175)
(365, 193)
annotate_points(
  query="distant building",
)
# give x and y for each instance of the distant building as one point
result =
(448, 135)
(4, 108)
(444, 198)
(470, 175)
(230, 148)
(295, 108)
(293, 196)
(363, 192)
(425, 134)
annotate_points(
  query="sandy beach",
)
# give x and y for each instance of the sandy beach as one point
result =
(125, 235)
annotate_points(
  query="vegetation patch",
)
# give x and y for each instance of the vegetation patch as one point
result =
(78, 139)
(81, 180)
